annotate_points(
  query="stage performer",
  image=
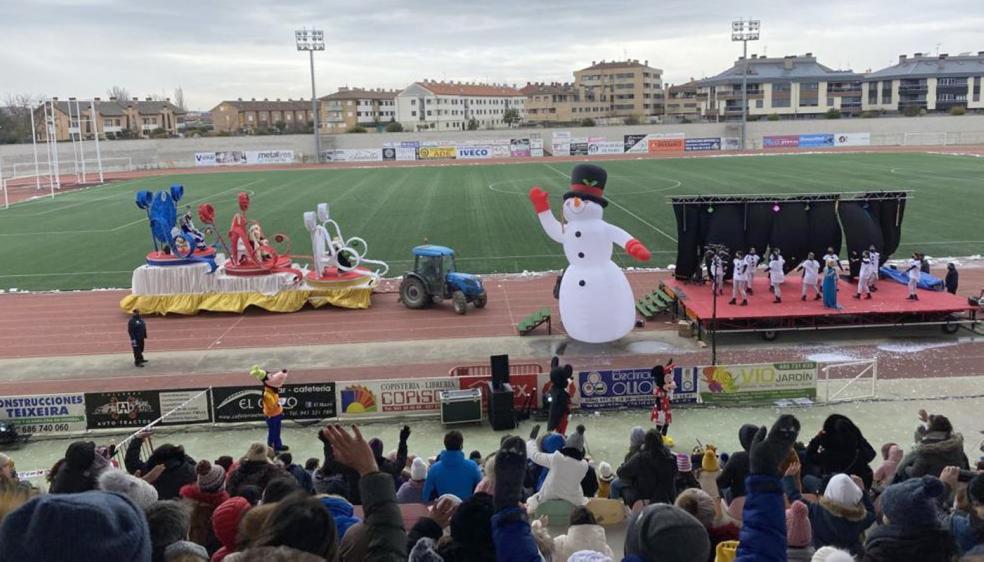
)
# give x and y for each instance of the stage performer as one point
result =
(752, 259)
(560, 398)
(875, 258)
(776, 274)
(739, 279)
(663, 387)
(810, 268)
(830, 286)
(832, 257)
(717, 271)
(864, 277)
(273, 408)
(914, 271)
(138, 333)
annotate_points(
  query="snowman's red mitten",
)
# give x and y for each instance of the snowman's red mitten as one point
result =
(637, 250)
(539, 198)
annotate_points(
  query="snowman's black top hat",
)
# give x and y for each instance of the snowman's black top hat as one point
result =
(588, 183)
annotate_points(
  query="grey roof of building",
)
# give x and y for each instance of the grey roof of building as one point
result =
(155, 107)
(773, 70)
(116, 108)
(267, 105)
(928, 67)
(361, 94)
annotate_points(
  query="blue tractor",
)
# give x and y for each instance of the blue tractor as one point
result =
(434, 278)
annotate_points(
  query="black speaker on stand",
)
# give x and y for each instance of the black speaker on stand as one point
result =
(502, 414)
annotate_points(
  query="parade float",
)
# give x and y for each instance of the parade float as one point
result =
(192, 270)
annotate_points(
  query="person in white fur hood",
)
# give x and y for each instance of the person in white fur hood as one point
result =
(583, 534)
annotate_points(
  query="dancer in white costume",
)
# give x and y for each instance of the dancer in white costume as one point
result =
(810, 268)
(913, 271)
(864, 277)
(752, 259)
(875, 257)
(776, 274)
(739, 279)
(596, 301)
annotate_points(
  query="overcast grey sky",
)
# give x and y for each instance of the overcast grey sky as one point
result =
(220, 49)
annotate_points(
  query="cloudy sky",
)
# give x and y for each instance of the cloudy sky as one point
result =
(220, 49)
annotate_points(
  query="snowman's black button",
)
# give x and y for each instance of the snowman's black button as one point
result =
(580, 254)
(581, 282)
(577, 234)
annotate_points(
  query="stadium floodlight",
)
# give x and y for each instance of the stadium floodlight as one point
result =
(744, 30)
(312, 40)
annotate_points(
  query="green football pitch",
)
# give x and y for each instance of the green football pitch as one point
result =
(96, 237)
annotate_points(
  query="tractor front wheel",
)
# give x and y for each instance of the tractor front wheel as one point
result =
(460, 302)
(481, 300)
(413, 293)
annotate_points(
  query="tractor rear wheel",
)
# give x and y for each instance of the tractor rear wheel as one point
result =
(413, 293)
(460, 302)
(481, 300)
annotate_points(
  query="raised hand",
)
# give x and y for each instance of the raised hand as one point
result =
(405, 433)
(768, 451)
(351, 450)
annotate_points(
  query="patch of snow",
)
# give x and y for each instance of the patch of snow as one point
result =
(831, 357)
(912, 347)
(649, 347)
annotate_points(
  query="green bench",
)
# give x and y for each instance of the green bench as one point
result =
(533, 320)
(654, 303)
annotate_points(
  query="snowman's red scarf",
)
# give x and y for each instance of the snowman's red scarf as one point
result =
(587, 190)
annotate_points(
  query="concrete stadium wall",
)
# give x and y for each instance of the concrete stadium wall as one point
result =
(172, 153)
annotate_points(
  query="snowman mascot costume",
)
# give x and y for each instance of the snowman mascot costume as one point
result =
(596, 301)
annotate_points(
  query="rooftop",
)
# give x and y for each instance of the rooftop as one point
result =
(468, 89)
(629, 63)
(345, 93)
(268, 105)
(114, 107)
(540, 88)
(791, 67)
(925, 66)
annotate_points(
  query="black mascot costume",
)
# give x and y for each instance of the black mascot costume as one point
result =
(560, 399)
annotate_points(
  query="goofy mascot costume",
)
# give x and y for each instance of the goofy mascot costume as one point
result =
(273, 409)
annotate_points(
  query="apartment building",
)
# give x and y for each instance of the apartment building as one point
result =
(113, 118)
(685, 101)
(627, 88)
(447, 106)
(560, 103)
(924, 82)
(245, 116)
(351, 107)
(790, 87)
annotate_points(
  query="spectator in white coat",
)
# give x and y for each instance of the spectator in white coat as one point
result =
(583, 534)
(563, 481)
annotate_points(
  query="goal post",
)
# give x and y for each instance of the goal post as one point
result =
(852, 380)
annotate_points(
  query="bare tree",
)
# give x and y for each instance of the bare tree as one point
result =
(15, 118)
(179, 98)
(118, 92)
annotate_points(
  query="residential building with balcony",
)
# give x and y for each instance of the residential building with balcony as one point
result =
(685, 101)
(924, 82)
(444, 106)
(560, 103)
(113, 118)
(242, 116)
(351, 107)
(626, 88)
(791, 87)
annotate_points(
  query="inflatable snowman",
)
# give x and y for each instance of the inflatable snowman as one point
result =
(596, 301)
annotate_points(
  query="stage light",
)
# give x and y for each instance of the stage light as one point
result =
(806, 207)
(710, 208)
(775, 208)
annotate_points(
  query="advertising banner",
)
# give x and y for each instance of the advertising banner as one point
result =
(410, 144)
(474, 152)
(730, 143)
(204, 159)
(852, 139)
(536, 145)
(44, 413)
(665, 142)
(256, 157)
(561, 137)
(221, 158)
(404, 153)
(579, 148)
(816, 141)
(353, 155)
(711, 143)
(764, 382)
(519, 148)
(635, 143)
(313, 401)
(781, 141)
(198, 410)
(407, 397)
(121, 409)
(389, 153)
(436, 153)
(500, 151)
(630, 388)
(605, 147)
(524, 386)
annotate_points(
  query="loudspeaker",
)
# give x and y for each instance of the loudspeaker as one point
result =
(500, 370)
(502, 415)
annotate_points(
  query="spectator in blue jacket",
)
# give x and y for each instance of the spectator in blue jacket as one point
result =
(763, 532)
(452, 473)
(511, 531)
(967, 527)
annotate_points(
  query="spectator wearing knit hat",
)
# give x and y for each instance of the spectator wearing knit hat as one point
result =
(137, 489)
(254, 469)
(841, 516)
(664, 533)
(912, 530)
(225, 524)
(411, 491)
(968, 528)
(799, 534)
(203, 496)
(605, 477)
(885, 474)
(704, 508)
(72, 527)
(831, 554)
(685, 473)
(185, 551)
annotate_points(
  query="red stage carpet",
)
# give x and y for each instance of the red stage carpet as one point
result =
(890, 299)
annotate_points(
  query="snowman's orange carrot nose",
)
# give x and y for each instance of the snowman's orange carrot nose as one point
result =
(577, 202)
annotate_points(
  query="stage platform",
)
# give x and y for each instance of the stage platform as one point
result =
(887, 307)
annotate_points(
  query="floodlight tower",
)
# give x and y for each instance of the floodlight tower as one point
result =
(312, 40)
(744, 30)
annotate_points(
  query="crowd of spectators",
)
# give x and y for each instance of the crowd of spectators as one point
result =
(776, 497)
